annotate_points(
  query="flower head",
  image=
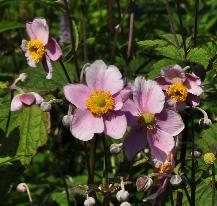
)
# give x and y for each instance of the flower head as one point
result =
(153, 125)
(209, 158)
(180, 87)
(41, 47)
(25, 99)
(98, 103)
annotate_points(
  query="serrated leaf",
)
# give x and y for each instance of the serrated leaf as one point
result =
(33, 132)
(198, 55)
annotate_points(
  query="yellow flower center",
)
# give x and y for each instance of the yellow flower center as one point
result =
(165, 167)
(36, 50)
(147, 120)
(177, 92)
(209, 158)
(100, 102)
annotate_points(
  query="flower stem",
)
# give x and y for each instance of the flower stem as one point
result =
(213, 185)
(65, 71)
(195, 23)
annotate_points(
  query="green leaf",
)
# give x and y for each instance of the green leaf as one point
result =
(76, 34)
(6, 26)
(198, 55)
(152, 43)
(33, 132)
(60, 198)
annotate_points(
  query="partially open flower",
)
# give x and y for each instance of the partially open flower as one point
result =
(23, 77)
(21, 187)
(41, 47)
(45, 106)
(25, 99)
(175, 180)
(122, 195)
(143, 183)
(90, 201)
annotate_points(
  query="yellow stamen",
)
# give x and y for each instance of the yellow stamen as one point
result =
(147, 120)
(177, 92)
(167, 165)
(100, 102)
(36, 50)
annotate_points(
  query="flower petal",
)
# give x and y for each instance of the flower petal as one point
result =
(16, 104)
(29, 30)
(40, 29)
(173, 73)
(118, 101)
(23, 45)
(193, 100)
(77, 94)
(47, 67)
(162, 82)
(170, 121)
(27, 99)
(38, 99)
(53, 49)
(148, 96)
(84, 125)
(115, 124)
(134, 142)
(98, 77)
(161, 144)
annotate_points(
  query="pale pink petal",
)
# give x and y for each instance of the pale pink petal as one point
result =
(160, 143)
(98, 77)
(77, 94)
(23, 45)
(193, 84)
(84, 125)
(53, 49)
(162, 82)
(29, 31)
(115, 124)
(38, 99)
(173, 73)
(30, 62)
(16, 104)
(193, 100)
(126, 92)
(148, 96)
(47, 67)
(170, 121)
(118, 101)
(134, 142)
(40, 29)
(27, 99)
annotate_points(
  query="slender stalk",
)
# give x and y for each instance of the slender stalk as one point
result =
(9, 115)
(65, 71)
(195, 23)
(72, 38)
(213, 186)
(187, 194)
(193, 186)
(106, 200)
(110, 21)
(171, 196)
(172, 28)
(66, 189)
(178, 2)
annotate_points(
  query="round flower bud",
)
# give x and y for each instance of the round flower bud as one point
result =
(23, 77)
(122, 195)
(143, 183)
(205, 122)
(21, 187)
(90, 201)
(125, 204)
(115, 148)
(45, 106)
(67, 120)
(209, 158)
(175, 180)
(197, 153)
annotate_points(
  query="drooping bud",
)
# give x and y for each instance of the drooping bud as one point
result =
(115, 148)
(23, 77)
(205, 122)
(175, 180)
(125, 204)
(122, 195)
(90, 201)
(67, 120)
(143, 183)
(197, 153)
(45, 106)
(21, 187)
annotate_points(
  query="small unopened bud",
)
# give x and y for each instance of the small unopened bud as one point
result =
(143, 183)
(21, 187)
(90, 201)
(125, 204)
(67, 120)
(205, 122)
(115, 148)
(23, 77)
(122, 195)
(175, 180)
(197, 153)
(45, 106)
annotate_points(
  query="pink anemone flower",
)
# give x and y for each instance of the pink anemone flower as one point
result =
(180, 87)
(98, 103)
(152, 124)
(41, 47)
(25, 99)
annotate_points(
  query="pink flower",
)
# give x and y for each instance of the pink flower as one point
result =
(98, 103)
(153, 125)
(180, 87)
(26, 99)
(40, 47)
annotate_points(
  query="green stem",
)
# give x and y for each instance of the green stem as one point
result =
(65, 71)
(213, 185)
